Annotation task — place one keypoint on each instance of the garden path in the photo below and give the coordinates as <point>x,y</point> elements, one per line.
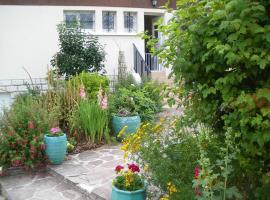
<point>84,176</point>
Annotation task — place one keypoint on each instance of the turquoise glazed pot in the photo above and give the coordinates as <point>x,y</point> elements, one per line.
<point>127,195</point>
<point>56,148</point>
<point>132,123</point>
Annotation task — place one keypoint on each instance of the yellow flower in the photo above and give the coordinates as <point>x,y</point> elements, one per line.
<point>171,188</point>
<point>129,178</point>
<point>166,197</point>
<point>122,132</point>
<point>146,168</point>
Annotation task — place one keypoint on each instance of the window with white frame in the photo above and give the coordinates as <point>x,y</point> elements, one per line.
<point>108,21</point>
<point>85,19</point>
<point>130,21</point>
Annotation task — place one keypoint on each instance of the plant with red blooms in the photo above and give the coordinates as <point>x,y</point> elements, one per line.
<point>118,168</point>
<point>133,167</point>
<point>128,180</point>
<point>22,129</point>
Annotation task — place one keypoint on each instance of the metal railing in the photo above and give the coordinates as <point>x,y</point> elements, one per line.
<point>152,62</point>
<point>140,66</point>
<point>22,85</point>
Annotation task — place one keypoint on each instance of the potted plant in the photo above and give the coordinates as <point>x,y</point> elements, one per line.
<point>56,145</point>
<point>125,118</point>
<point>128,184</point>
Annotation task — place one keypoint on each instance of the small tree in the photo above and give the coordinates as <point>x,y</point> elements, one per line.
<point>78,52</point>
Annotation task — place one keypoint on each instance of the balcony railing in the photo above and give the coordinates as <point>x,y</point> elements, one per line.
<point>152,62</point>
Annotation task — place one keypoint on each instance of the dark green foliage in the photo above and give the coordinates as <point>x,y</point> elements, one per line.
<point>78,52</point>
<point>220,49</point>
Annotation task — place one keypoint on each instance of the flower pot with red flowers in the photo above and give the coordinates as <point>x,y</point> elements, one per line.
<point>128,184</point>
<point>56,145</point>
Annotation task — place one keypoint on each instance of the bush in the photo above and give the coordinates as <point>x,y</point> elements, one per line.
<point>220,50</point>
<point>88,121</point>
<point>167,156</point>
<point>21,132</point>
<point>78,52</point>
<point>91,82</point>
<point>134,101</point>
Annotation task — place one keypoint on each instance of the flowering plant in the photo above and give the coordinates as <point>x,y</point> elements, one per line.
<point>55,132</point>
<point>129,179</point>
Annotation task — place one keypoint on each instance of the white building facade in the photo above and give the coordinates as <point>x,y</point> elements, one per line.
<point>29,37</point>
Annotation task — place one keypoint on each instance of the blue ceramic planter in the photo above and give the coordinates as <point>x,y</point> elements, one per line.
<point>56,148</point>
<point>127,195</point>
<point>132,122</point>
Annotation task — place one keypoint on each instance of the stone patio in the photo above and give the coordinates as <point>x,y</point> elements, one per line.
<point>84,176</point>
<point>38,186</point>
<point>91,172</point>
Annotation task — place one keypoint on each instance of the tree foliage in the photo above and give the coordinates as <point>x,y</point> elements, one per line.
<point>220,50</point>
<point>78,52</point>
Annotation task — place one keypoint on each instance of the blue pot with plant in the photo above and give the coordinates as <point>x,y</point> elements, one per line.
<point>128,184</point>
<point>56,146</point>
<point>125,119</point>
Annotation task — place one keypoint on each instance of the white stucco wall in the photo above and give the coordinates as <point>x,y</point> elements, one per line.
<point>28,38</point>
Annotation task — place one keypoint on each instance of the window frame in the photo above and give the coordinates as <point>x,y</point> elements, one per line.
<point>114,21</point>
<point>135,21</point>
<point>78,13</point>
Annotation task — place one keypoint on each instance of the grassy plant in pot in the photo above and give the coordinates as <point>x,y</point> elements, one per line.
<point>124,118</point>
<point>56,146</point>
<point>128,185</point>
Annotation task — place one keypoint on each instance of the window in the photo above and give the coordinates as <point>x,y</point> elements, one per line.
<point>84,18</point>
<point>108,21</point>
<point>130,21</point>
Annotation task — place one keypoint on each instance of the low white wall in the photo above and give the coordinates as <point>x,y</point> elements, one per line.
<point>28,38</point>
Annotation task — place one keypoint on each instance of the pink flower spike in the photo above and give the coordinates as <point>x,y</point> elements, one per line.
<point>82,92</point>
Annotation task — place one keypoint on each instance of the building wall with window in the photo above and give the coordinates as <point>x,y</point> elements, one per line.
<point>29,38</point>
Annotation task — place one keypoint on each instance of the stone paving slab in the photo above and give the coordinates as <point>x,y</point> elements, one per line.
<point>38,186</point>
<point>91,172</point>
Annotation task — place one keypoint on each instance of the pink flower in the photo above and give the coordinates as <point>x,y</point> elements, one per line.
<point>82,92</point>
<point>104,102</point>
<point>133,167</point>
<point>55,130</point>
<point>196,172</point>
<point>31,125</point>
<point>42,147</point>
<point>118,168</point>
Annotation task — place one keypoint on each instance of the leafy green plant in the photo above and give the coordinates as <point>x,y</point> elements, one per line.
<point>21,132</point>
<point>78,52</point>
<point>90,122</point>
<point>128,180</point>
<point>134,101</point>
<point>168,156</point>
<point>91,82</point>
<point>219,51</point>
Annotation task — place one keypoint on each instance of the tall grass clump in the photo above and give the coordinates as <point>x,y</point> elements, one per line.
<point>90,121</point>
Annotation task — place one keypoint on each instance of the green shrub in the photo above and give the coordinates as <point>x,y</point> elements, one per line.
<point>220,52</point>
<point>135,101</point>
<point>78,52</point>
<point>21,132</point>
<point>91,82</point>
<point>90,122</point>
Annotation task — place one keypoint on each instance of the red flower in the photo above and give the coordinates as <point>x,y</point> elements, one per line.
<point>197,192</point>
<point>16,163</point>
<point>118,168</point>
<point>133,167</point>
<point>196,172</point>
<point>42,147</point>
<point>31,125</point>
